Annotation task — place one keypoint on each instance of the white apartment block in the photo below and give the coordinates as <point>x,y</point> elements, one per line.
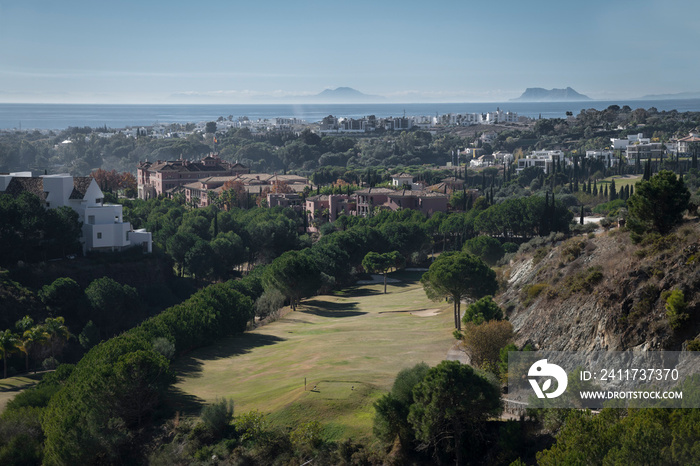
<point>542,159</point>
<point>621,144</point>
<point>103,226</point>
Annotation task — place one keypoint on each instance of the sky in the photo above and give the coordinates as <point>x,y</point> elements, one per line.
<point>159,52</point>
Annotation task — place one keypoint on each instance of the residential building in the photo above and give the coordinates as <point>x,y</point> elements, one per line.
<point>154,179</point>
<point>503,157</point>
<point>485,160</point>
<point>689,143</point>
<point>401,179</point>
<point>621,144</point>
<point>427,202</point>
<point>605,156</point>
<point>644,151</point>
<point>542,159</point>
<point>199,193</point>
<point>103,226</point>
<point>292,200</point>
<point>330,206</point>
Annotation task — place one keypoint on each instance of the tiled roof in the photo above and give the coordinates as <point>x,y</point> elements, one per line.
<point>18,185</point>
<point>80,187</point>
<point>376,191</point>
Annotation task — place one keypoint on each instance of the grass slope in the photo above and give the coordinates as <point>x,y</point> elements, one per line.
<point>11,386</point>
<point>620,181</point>
<point>349,347</point>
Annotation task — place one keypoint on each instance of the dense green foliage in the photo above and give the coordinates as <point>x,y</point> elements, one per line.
<point>451,406</point>
<point>459,276</point>
<point>117,386</point>
<point>483,310</point>
<point>658,204</point>
<point>617,436</point>
<point>31,233</point>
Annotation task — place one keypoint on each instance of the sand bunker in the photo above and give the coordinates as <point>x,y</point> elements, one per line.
<point>426,313</point>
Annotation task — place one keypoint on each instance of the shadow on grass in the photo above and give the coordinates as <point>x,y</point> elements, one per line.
<point>190,365</point>
<point>330,309</point>
<point>6,386</point>
<point>359,292</point>
<point>184,403</point>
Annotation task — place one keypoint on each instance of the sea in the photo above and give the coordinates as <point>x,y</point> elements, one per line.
<point>115,116</point>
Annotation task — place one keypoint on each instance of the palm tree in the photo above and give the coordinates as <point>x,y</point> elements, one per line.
<point>30,338</point>
<point>56,331</point>
<point>8,345</point>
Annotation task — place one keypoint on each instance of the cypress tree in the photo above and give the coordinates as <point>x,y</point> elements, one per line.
<point>613,190</point>
<point>605,194</point>
<point>545,214</point>
<point>595,188</point>
<point>581,214</point>
<point>647,170</point>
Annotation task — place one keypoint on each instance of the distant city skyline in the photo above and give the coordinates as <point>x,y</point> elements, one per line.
<point>178,52</point>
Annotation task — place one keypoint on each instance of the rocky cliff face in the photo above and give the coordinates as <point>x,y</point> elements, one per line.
<point>605,293</point>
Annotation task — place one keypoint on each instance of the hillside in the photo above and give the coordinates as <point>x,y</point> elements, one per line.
<point>538,94</point>
<point>604,293</point>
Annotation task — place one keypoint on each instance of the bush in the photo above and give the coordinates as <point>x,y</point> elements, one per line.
<point>483,310</point>
<point>269,303</point>
<point>675,309</point>
<point>531,292</point>
<point>218,416</point>
<point>49,364</point>
<point>165,347</point>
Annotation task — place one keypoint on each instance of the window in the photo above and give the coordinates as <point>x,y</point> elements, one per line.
<point>91,219</point>
<point>99,235</point>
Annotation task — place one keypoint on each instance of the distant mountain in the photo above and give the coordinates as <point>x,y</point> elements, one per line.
<point>537,94</point>
<point>344,94</point>
<point>678,96</point>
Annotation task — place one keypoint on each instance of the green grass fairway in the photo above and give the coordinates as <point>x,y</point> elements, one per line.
<point>11,386</point>
<point>349,347</point>
<point>620,181</point>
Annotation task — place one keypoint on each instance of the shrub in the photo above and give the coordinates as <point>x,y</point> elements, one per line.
<point>218,416</point>
<point>483,310</point>
<point>49,364</point>
<point>165,347</point>
<point>531,292</point>
<point>675,309</point>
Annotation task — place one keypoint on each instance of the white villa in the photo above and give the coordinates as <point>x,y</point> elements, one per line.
<point>103,227</point>
<point>542,159</point>
<point>605,156</point>
<point>621,144</point>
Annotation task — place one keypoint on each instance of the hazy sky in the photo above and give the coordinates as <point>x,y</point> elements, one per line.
<point>150,51</point>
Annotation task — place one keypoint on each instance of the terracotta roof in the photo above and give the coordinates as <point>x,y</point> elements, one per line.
<point>80,187</point>
<point>18,185</point>
<point>376,191</point>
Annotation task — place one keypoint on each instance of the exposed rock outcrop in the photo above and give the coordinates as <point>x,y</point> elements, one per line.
<point>605,293</point>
